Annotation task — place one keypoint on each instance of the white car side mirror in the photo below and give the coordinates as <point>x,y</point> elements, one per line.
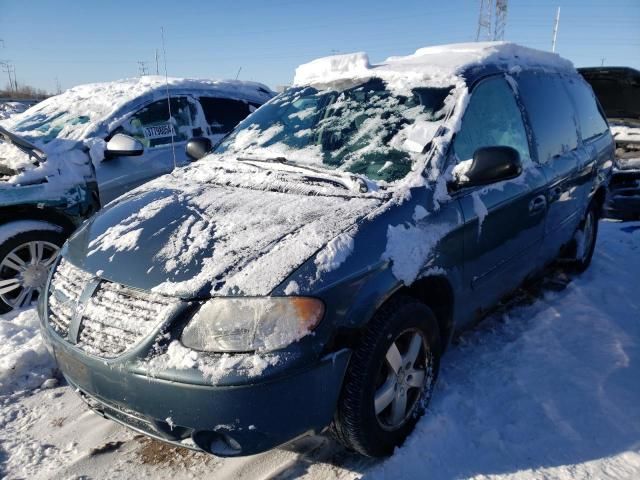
<point>123,145</point>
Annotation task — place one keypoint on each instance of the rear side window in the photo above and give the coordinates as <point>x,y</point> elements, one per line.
<point>591,122</point>
<point>491,119</point>
<point>551,114</point>
<point>223,114</point>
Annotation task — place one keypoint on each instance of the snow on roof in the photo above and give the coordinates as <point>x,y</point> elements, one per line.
<point>435,66</point>
<point>98,101</point>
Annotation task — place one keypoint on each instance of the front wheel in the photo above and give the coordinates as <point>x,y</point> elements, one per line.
<point>25,261</point>
<point>390,378</point>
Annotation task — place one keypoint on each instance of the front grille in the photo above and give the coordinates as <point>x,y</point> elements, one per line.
<point>66,286</point>
<point>114,318</point>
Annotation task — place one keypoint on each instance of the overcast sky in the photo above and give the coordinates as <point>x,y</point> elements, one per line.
<point>74,42</point>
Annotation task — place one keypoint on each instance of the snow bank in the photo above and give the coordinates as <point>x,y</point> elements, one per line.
<point>549,390</point>
<point>25,362</point>
<point>543,391</point>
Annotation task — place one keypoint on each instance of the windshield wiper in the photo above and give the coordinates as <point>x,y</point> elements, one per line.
<point>335,180</point>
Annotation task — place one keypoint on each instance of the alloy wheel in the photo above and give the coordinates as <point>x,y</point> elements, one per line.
<point>402,379</point>
<point>24,271</point>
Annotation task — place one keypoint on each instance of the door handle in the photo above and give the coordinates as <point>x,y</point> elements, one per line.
<point>538,204</point>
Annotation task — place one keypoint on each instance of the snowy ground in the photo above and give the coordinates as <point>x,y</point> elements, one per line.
<point>549,387</point>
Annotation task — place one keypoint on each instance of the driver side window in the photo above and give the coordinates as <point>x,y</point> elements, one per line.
<point>151,124</point>
<point>492,118</point>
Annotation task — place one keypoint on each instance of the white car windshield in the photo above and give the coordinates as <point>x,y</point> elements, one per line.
<point>365,129</point>
<point>47,126</point>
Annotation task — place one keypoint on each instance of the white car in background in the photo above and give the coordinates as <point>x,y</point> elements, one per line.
<point>66,157</point>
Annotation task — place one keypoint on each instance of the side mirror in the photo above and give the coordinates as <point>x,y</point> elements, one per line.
<point>122,145</point>
<point>491,165</point>
<point>198,147</point>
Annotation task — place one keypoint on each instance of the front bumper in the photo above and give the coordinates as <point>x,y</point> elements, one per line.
<point>623,196</point>
<point>241,419</point>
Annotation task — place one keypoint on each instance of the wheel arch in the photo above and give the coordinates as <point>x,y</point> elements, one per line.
<point>30,212</point>
<point>599,197</point>
<point>435,291</point>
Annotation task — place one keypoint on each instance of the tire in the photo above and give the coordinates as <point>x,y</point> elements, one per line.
<point>373,430</point>
<point>584,242</point>
<point>18,273</point>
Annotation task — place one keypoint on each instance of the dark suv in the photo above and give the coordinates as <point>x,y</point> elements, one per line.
<point>618,90</point>
<point>312,269</point>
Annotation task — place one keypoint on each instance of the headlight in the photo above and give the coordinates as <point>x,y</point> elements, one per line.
<point>251,324</point>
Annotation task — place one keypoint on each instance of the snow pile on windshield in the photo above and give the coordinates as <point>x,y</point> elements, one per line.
<point>364,129</point>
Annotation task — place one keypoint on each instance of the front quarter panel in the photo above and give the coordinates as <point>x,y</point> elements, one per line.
<point>395,247</point>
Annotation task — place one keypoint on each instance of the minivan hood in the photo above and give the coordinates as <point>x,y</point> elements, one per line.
<point>215,229</point>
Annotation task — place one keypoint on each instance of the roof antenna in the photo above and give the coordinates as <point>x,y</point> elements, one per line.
<point>556,24</point>
<point>166,82</point>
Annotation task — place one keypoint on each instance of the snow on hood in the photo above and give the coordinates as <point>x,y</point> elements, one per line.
<point>220,227</point>
<point>437,66</point>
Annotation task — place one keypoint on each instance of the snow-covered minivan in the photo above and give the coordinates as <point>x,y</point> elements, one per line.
<point>312,269</point>
<point>70,154</point>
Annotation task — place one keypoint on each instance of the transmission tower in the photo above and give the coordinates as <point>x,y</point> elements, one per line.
<point>492,20</point>
<point>484,21</point>
<point>501,20</point>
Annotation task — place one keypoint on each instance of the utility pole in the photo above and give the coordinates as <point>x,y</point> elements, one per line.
<point>142,68</point>
<point>501,20</point>
<point>8,68</point>
<point>555,30</point>
<point>484,21</point>
<point>157,67</point>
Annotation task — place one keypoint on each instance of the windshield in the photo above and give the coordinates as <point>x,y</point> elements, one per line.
<point>364,130</point>
<point>46,126</point>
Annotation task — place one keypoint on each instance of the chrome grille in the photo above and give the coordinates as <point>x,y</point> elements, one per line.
<point>65,289</point>
<point>116,318</point>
